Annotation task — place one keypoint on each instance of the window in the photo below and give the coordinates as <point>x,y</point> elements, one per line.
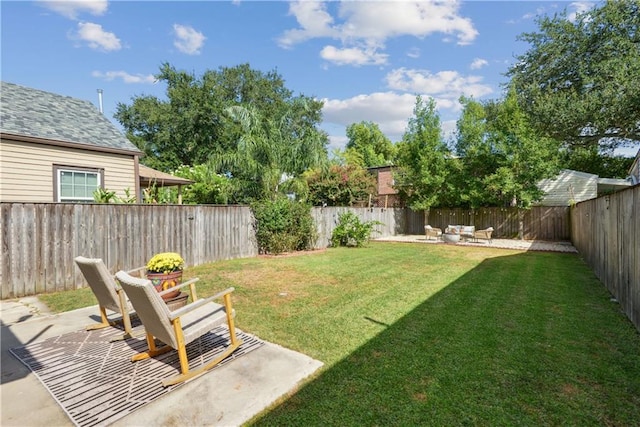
<point>76,184</point>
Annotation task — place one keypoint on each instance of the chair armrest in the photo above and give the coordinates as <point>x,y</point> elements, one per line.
<point>196,304</point>
<point>135,270</point>
<point>180,286</point>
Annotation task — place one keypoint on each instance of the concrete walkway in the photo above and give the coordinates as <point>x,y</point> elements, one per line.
<point>523,245</point>
<point>228,396</point>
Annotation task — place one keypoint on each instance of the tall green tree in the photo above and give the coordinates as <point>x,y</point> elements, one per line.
<point>422,173</point>
<point>272,149</point>
<point>523,157</point>
<point>191,124</point>
<point>476,153</point>
<point>579,80</point>
<point>368,146</point>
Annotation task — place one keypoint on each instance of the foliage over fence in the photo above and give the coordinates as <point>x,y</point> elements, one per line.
<point>606,232</point>
<point>39,241</point>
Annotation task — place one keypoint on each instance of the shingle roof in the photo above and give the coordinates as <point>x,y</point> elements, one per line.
<point>35,113</point>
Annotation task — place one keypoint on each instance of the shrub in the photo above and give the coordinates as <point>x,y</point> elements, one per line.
<point>283,225</point>
<point>351,231</point>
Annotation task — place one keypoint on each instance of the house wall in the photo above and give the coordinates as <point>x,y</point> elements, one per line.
<point>569,187</point>
<point>387,196</point>
<point>26,169</point>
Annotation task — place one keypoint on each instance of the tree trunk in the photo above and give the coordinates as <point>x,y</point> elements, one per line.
<point>520,223</point>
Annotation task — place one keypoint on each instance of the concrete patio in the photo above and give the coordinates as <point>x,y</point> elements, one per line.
<point>227,396</point>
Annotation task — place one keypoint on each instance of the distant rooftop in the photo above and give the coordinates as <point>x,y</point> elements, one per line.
<point>35,113</point>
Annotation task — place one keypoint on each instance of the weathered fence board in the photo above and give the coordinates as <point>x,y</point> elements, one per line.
<point>606,232</point>
<point>39,241</point>
<point>540,222</point>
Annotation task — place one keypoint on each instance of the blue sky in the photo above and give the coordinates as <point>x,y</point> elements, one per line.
<point>366,59</point>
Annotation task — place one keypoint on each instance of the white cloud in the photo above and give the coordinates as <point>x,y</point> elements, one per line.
<point>124,76</point>
<point>578,7</point>
<point>97,38</point>
<point>188,40</point>
<point>389,110</point>
<point>414,52</point>
<point>314,21</point>
<point>381,20</point>
<point>370,24</point>
<point>478,63</point>
<point>446,84</point>
<point>71,8</point>
<point>353,56</point>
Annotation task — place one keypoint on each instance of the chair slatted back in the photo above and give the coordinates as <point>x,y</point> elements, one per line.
<point>151,308</point>
<point>101,282</point>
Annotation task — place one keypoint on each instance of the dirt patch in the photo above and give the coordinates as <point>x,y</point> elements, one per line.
<point>292,254</point>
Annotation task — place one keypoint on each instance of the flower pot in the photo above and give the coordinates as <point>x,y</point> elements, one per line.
<point>163,281</point>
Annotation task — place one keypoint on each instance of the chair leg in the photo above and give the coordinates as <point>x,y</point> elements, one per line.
<point>152,351</point>
<point>104,321</point>
<point>187,374</point>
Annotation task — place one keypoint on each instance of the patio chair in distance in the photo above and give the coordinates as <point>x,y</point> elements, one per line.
<point>109,294</point>
<point>179,327</point>
<point>430,231</point>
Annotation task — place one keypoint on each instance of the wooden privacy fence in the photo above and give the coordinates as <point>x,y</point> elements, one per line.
<point>606,232</point>
<point>540,222</point>
<point>40,241</point>
<point>393,221</point>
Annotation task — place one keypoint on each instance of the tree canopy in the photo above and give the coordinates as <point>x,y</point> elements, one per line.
<point>502,157</point>
<point>270,150</point>
<point>339,185</point>
<point>421,176</point>
<point>368,146</point>
<point>579,80</point>
<point>192,124</point>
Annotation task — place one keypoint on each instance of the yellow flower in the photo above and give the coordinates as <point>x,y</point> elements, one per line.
<point>165,262</point>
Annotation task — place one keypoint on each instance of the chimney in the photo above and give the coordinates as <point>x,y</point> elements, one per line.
<point>100,101</point>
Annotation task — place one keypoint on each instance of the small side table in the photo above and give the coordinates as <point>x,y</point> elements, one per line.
<point>451,238</point>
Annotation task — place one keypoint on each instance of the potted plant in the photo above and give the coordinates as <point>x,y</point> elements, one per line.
<point>165,271</point>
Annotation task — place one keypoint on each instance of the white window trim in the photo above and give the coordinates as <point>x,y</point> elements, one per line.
<point>57,171</point>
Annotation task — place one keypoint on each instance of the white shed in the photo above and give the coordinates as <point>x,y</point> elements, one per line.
<point>568,187</point>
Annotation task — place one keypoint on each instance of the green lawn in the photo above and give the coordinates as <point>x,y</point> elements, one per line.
<point>415,334</point>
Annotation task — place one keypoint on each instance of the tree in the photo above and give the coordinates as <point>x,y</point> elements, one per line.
<point>476,155</point>
<point>368,146</point>
<point>579,80</point>
<point>191,124</point>
<point>590,159</point>
<point>339,185</point>
<point>421,177</point>
<point>523,157</point>
<point>208,187</point>
<point>273,148</point>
